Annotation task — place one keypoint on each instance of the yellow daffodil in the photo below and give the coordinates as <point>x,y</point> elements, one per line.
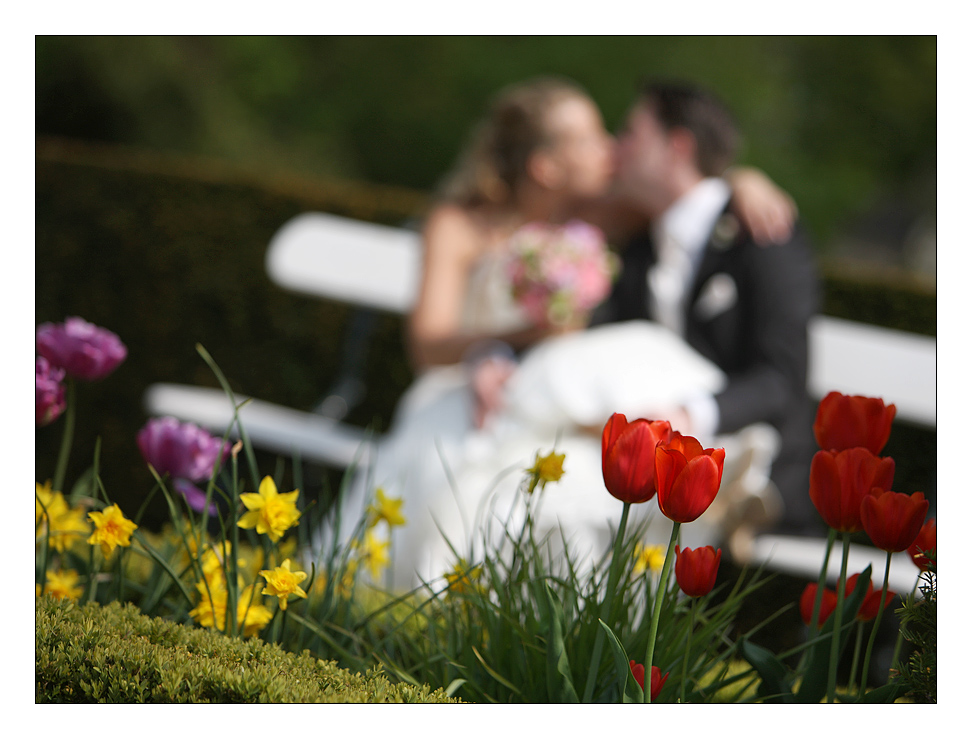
<point>373,553</point>
<point>547,469</point>
<point>385,509</point>
<point>344,586</point>
<point>463,579</point>
<point>61,584</point>
<point>649,557</point>
<point>112,529</point>
<point>252,616</point>
<point>67,527</point>
<point>44,500</point>
<point>55,518</point>
<point>282,582</point>
<point>268,511</point>
<point>211,609</point>
<point>213,561</point>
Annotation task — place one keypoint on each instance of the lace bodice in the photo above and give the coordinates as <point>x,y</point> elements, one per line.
<point>489,308</point>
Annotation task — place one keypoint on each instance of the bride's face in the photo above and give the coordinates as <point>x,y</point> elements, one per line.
<point>581,151</point>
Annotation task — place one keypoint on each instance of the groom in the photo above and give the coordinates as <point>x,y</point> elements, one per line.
<point>696,270</point>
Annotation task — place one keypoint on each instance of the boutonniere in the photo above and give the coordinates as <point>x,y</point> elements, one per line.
<point>725,232</point>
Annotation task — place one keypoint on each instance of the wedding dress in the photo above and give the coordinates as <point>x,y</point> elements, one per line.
<point>461,484</point>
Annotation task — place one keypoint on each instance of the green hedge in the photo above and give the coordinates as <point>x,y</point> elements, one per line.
<point>169,252</point>
<point>116,654</point>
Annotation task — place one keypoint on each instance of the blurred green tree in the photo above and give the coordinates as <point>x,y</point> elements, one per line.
<point>841,122</point>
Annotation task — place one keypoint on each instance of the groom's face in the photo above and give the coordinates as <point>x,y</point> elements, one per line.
<point>644,161</point>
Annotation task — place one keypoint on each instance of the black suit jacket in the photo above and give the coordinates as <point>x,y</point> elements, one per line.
<point>748,312</point>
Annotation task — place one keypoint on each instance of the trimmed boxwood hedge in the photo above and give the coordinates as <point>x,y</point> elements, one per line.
<point>168,252</point>
<point>114,653</point>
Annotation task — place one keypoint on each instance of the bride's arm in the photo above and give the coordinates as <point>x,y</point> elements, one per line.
<point>767,211</point>
<point>451,243</point>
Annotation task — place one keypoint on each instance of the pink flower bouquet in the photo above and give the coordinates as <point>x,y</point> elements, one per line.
<point>560,273</point>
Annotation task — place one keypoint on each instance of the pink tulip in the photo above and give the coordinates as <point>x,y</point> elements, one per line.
<point>85,351</point>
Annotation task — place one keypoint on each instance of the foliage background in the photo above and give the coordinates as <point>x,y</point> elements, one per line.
<point>164,245</point>
<point>845,123</point>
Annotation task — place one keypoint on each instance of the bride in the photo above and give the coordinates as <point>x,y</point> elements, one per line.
<point>493,388</point>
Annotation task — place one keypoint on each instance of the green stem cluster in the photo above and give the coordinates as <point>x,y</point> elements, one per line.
<point>839,608</point>
<point>657,611</point>
<point>614,573</point>
<point>875,626</point>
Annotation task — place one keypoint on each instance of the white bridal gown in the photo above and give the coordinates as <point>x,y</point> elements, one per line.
<point>460,484</point>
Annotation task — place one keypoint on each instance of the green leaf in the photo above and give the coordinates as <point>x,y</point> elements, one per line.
<point>774,685</point>
<point>454,686</point>
<point>560,685</point>
<point>886,694</point>
<point>631,691</point>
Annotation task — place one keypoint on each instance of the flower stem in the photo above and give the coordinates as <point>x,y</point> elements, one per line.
<point>878,620</point>
<point>854,656</point>
<point>898,638</point>
<point>685,658</point>
<point>657,611</point>
<point>822,580</point>
<point>232,591</point>
<point>614,572</point>
<point>120,575</point>
<point>836,633</point>
<point>66,438</point>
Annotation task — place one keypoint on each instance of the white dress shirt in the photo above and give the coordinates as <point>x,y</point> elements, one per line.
<point>681,235</point>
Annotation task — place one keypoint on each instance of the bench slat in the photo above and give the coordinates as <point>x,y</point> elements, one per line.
<point>270,426</point>
<point>861,359</point>
<point>803,557</point>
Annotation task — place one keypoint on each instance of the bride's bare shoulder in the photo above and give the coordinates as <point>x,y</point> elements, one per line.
<point>449,226</point>
<point>462,231</point>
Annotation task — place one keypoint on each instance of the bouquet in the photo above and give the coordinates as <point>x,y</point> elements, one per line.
<point>560,273</point>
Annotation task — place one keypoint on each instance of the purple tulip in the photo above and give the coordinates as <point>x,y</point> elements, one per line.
<point>185,452</point>
<point>85,351</point>
<point>50,392</point>
<point>195,497</point>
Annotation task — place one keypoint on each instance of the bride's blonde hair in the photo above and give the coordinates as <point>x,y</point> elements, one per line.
<point>494,162</point>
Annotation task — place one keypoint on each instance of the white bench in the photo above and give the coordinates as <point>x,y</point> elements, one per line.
<point>378,267</point>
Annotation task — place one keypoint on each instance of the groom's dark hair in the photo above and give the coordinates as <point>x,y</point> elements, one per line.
<point>683,105</point>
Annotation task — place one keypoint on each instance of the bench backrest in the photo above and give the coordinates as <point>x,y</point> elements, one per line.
<point>379,267</point>
<point>346,260</point>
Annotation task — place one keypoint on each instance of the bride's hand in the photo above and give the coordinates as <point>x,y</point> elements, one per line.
<point>766,211</point>
<point>489,378</point>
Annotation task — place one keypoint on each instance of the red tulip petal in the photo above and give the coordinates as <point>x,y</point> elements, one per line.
<point>616,424</point>
<point>628,468</point>
<point>688,446</point>
<point>825,487</point>
<point>692,491</point>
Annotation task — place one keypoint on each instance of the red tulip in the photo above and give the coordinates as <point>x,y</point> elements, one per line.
<point>843,422</point>
<point>688,477</point>
<point>696,569</point>
<point>893,520</point>
<point>658,680</point>
<point>628,457</point>
<point>869,608</point>
<point>840,480</point>
<point>924,543</point>
<point>828,603</point>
